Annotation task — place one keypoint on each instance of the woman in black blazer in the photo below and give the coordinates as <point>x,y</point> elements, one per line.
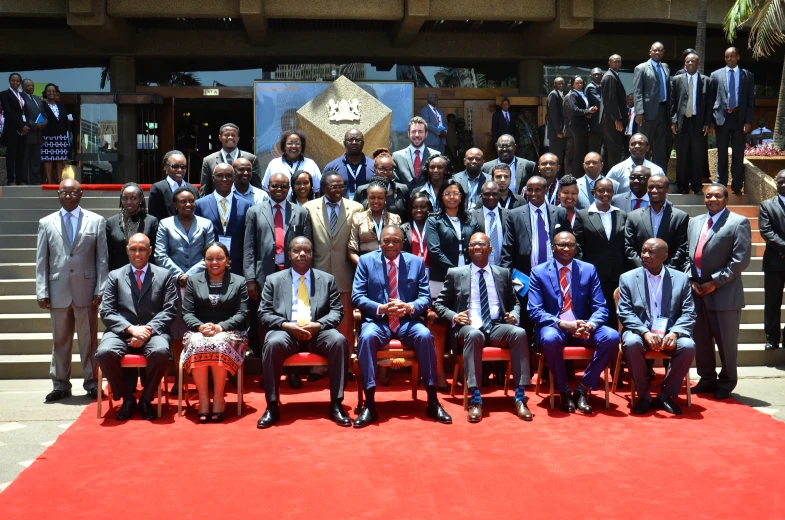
<point>215,310</point>
<point>133,218</point>
<point>57,136</point>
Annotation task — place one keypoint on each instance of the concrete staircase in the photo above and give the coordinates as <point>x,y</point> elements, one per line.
<point>25,330</point>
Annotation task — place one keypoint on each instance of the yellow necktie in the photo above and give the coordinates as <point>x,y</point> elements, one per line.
<point>304,303</point>
<point>223,212</point>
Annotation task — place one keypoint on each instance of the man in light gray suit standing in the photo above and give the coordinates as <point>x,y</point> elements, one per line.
<point>651,87</point>
<point>408,162</point>
<point>648,294</point>
<point>719,247</point>
<point>436,137</point>
<point>33,110</point>
<point>71,267</point>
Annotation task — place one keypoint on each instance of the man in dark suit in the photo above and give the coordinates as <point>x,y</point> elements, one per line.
<point>594,94</point>
<point>33,110</point>
<point>305,324</point>
<point>613,111</point>
<point>690,112</point>
<point>555,121</point>
<point>227,213</point>
<point>502,121</point>
<point>408,162</point>
<point>734,106</point>
<point>577,113</point>
<point>15,129</point>
<point>647,294</point>
<point>652,89</point>
<point>771,220</point>
<point>480,303</point>
<point>520,169</point>
<point>472,178</point>
<point>229,136</point>
<point>631,127</point>
<point>160,204</point>
<point>492,220</point>
<point>507,199</point>
<point>436,137</point>
<point>657,220</point>
<point>391,290</point>
<point>139,305</point>
<point>567,307</point>
<point>638,195</point>
<point>720,247</point>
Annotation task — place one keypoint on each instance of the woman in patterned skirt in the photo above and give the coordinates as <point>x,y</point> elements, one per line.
<point>215,309</point>
<point>54,149</point>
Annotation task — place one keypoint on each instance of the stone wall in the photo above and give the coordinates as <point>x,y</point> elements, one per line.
<point>757,185</point>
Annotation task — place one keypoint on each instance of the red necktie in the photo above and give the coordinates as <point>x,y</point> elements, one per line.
<point>565,290</point>
<point>417,164</point>
<point>278,222</point>
<point>392,276</point>
<point>139,278</point>
<point>637,204</point>
<point>701,244</point>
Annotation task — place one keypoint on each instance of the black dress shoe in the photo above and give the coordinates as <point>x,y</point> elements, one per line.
<point>650,373</point>
<point>270,416</point>
<point>313,377</point>
<point>721,393</point>
<point>148,412</point>
<point>338,415</point>
<point>771,346</point>
<point>642,407</point>
<point>582,402</point>
<point>294,381</point>
<point>366,417</point>
<point>435,411</point>
<point>668,405</point>
<point>126,410</point>
<point>93,393</point>
<point>704,387</point>
<point>56,395</point>
<point>566,403</point>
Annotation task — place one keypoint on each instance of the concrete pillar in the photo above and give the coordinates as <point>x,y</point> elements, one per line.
<point>123,80</point>
<point>530,78</point>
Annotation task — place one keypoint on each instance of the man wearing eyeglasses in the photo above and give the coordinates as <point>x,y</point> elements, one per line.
<point>356,168</point>
<point>520,169</point>
<point>160,203</point>
<point>229,136</point>
<point>72,265</point>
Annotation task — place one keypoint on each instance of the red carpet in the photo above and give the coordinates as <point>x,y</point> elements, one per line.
<point>719,460</point>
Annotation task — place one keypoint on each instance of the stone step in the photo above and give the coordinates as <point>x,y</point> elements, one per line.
<point>697,200</point>
<point>17,270</point>
<point>17,255</point>
<point>752,279</point>
<point>20,304</point>
<point>745,211</point>
<point>18,228</point>
<point>15,343</point>
<point>37,191</point>
<point>22,286</point>
<point>31,323</point>
<point>753,313</point>
<point>752,333</point>
<point>52,204</point>
<point>19,241</point>
<point>28,215</point>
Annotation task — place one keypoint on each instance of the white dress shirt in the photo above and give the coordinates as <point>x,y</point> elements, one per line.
<point>475,308</point>
<point>621,173</point>
<point>74,216</point>
<point>458,227</point>
<point>253,195</point>
<point>644,201</point>
<point>295,291</point>
<point>173,185</point>
<point>412,148</point>
<point>630,120</point>
<point>143,269</point>
<point>224,216</point>
<point>656,218</point>
<point>535,239</point>
<point>654,283</point>
<point>605,216</point>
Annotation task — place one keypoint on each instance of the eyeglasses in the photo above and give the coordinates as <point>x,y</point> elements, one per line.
<point>222,177</point>
<point>68,194</point>
<point>478,244</point>
<point>504,146</point>
<point>386,170</point>
<point>176,166</point>
<point>351,140</point>
<point>335,186</point>
<point>452,194</point>
<point>279,186</point>
<point>392,241</point>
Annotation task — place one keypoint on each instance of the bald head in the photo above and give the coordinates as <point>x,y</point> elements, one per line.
<point>654,252</point>
<point>138,250</point>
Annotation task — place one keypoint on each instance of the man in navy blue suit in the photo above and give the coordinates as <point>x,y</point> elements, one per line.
<point>227,213</point>
<point>391,290</point>
<point>567,307</point>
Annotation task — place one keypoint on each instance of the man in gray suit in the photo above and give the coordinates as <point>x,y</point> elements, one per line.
<point>229,136</point>
<point>139,305</point>
<point>306,323</point>
<point>408,162</point>
<point>648,294</point>
<point>520,169</point>
<point>472,178</point>
<point>436,137</point>
<point>652,89</point>
<point>554,118</point>
<point>592,168</point>
<point>72,264</point>
<point>719,248</point>
<point>33,110</point>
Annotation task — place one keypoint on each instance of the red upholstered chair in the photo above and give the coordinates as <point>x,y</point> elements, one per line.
<point>137,361</point>
<point>184,396</point>
<point>488,354</point>
<point>583,353</point>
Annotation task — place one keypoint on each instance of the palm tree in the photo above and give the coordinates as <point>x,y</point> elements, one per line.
<point>700,36</point>
<point>765,19</point>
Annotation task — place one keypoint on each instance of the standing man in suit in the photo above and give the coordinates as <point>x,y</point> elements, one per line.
<point>242,188</point>
<point>592,169</point>
<point>33,110</point>
<point>734,106</point>
<point>638,195</point>
<point>594,94</point>
<point>719,246</point>
<point>71,268</point>
<point>355,167</point>
<point>229,136</point>
<point>577,114</point>
<point>554,118</point>
<point>567,307</point>
<point>301,309</point>
<point>651,86</point>
<point>492,220</point>
<point>160,203</point>
<point>613,111</point>
<point>139,305</point>
<point>690,114</point>
<point>436,137</point>
<point>647,294</point>
<point>15,129</point>
<point>520,169</point>
<point>658,219</point>
<point>227,213</point>
<point>507,198</point>
<point>391,290</point>
<point>472,178</point>
<point>479,300</point>
<point>639,147</point>
<point>331,219</point>
<point>632,126</point>
<point>772,228</point>
<point>408,162</point>
<point>502,121</point>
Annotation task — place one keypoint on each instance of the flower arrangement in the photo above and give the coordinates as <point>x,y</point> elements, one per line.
<point>763,150</point>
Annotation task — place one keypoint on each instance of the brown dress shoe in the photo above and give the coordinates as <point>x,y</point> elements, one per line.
<point>475,413</point>
<point>522,411</point>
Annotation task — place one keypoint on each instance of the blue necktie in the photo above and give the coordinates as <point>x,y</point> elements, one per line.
<point>497,252</point>
<point>542,239</point>
<point>732,102</point>
<point>485,307</point>
<point>661,77</point>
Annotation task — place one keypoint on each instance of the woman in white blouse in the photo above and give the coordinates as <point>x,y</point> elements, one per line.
<point>293,160</point>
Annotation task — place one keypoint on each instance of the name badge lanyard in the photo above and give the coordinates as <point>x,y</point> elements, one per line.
<point>224,217</point>
<point>432,196</point>
<point>354,173</point>
<point>552,198</point>
<point>420,237</point>
<point>21,104</point>
<point>654,294</point>
<point>378,228</point>
<point>292,168</point>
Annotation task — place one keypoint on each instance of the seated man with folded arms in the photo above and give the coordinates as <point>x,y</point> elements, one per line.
<point>657,313</point>
<point>568,308</point>
<point>486,312</point>
<point>139,305</point>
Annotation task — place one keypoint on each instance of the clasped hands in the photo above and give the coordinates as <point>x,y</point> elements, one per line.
<point>396,308</point>
<point>140,334</point>
<point>462,318</point>
<point>580,329</point>
<point>703,289</point>
<point>210,329</point>
<point>302,332</point>
<point>657,343</point>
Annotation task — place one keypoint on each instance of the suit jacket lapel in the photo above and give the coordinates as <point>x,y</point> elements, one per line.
<point>646,217</point>
<point>288,217</point>
<point>616,226</point>
<point>596,222</point>
<point>342,217</point>
<point>448,224</point>
<point>316,293</point>
<point>716,224</point>
<point>403,271</point>
<point>267,213</point>
<point>643,289</point>
<point>322,215</point>
<point>146,283</point>
<point>60,226</point>
<point>131,279</point>
<point>80,225</point>
<point>667,290</point>
<point>287,294</point>
<point>466,287</point>
<point>527,220</point>
<point>178,226</point>
<point>500,283</point>
<point>555,280</point>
